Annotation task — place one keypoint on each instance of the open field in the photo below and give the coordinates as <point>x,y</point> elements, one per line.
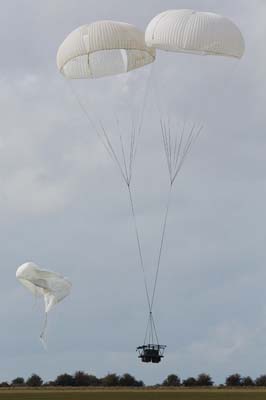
<point>133,394</point>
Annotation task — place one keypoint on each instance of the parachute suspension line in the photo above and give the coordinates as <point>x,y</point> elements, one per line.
<point>138,129</point>
<point>161,245</point>
<point>125,167</point>
<point>101,132</point>
<point>108,144</point>
<point>156,96</point>
<point>147,89</point>
<point>82,106</point>
<point>128,162</point>
<point>151,337</point>
<point>132,154</point>
<point>154,329</point>
<point>44,331</point>
<point>88,118</point>
<point>177,148</point>
<point>151,333</point>
<point>146,332</point>
<point>139,247</point>
<point>126,171</point>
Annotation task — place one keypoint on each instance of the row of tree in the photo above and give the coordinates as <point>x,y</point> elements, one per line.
<point>234,380</point>
<point>78,379</point>
<point>81,378</point>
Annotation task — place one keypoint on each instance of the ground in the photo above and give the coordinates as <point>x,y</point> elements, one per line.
<point>179,394</point>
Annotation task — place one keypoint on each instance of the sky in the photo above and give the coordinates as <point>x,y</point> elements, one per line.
<point>64,205</point>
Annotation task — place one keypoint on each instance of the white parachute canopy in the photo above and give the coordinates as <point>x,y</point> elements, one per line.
<point>195,32</point>
<point>50,285</point>
<point>103,48</point>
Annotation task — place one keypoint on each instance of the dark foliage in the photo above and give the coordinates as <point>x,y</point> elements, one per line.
<point>189,382</point>
<point>233,380</point>
<point>34,381</point>
<point>83,379</point>
<point>261,380</point>
<point>110,380</point>
<point>172,380</point>
<point>204,380</point>
<point>129,380</point>
<point>247,381</point>
<point>4,384</point>
<point>19,381</point>
<point>64,380</point>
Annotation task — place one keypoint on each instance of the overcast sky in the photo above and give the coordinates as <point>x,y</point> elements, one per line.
<point>63,204</point>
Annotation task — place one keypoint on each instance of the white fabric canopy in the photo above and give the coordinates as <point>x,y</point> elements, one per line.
<point>195,32</point>
<point>103,48</point>
<point>50,285</point>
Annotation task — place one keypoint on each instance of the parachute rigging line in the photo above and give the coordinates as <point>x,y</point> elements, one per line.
<point>176,148</point>
<point>139,248</point>
<point>126,168</point>
<point>147,89</point>
<point>44,331</point>
<point>125,164</point>
<point>88,117</point>
<point>151,332</point>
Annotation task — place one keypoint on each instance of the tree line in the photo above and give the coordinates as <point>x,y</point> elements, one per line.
<point>82,379</point>
<point>205,380</point>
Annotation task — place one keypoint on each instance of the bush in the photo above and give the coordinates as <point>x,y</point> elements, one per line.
<point>247,381</point>
<point>18,381</point>
<point>4,384</point>
<point>110,380</point>
<point>34,381</point>
<point>189,382</point>
<point>204,380</point>
<point>233,380</point>
<point>129,380</point>
<point>261,381</point>
<point>172,380</point>
<point>83,379</point>
<point>64,380</point>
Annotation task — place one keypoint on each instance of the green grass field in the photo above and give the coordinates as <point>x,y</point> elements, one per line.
<point>133,395</point>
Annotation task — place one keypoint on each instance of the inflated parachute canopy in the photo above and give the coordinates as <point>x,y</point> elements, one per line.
<point>52,286</point>
<point>195,32</point>
<point>101,49</point>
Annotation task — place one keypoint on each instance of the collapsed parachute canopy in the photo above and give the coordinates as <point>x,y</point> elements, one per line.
<point>195,32</point>
<point>52,286</point>
<point>103,48</point>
